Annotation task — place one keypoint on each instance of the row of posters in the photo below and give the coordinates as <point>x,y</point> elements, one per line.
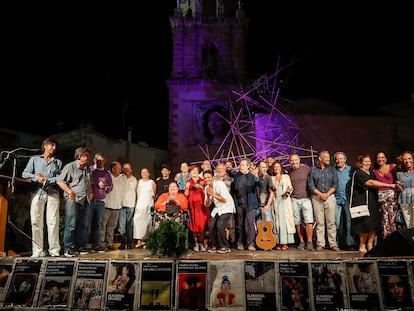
<point>365,284</point>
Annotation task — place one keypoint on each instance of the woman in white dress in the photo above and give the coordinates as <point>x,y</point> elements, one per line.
<point>142,216</point>
<point>282,206</point>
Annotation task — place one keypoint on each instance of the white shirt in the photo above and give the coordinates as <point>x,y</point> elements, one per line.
<point>220,188</point>
<point>114,198</point>
<point>129,198</point>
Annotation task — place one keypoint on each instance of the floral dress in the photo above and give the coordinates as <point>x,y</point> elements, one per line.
<point>389,208</point>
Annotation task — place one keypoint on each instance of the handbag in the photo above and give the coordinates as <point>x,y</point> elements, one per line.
<point>359,210</point>
<point>172,209</point>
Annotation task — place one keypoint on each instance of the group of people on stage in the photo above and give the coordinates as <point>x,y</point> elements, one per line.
<point>98,202</point>
<point>224,202</point>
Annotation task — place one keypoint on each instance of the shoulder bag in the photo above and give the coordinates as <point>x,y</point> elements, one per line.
<point>359,210</point>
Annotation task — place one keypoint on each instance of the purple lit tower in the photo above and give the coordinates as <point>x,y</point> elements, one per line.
<point>215,113</point>
<point>209,59</point>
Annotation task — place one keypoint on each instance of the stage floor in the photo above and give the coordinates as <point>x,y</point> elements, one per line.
<point>291,254</point>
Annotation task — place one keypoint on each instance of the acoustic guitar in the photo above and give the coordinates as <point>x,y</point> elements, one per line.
<point>265,238</point>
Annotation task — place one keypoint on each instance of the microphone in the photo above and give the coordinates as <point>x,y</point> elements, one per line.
<point>28,149</point>
<point>4,161</point>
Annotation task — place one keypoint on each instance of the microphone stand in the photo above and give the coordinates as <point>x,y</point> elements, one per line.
<point>12,199</point>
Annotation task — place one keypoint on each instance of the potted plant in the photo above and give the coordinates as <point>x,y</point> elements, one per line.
<point>170,239</point>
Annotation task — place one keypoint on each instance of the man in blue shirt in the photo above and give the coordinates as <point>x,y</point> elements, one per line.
<point>322,184</point>
<point>343,216</point>
<point>43,170</point>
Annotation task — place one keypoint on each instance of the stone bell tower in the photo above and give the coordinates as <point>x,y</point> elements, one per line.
<point>208,62</point>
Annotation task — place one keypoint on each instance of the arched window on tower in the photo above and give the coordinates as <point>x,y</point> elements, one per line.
<point>210,62</point>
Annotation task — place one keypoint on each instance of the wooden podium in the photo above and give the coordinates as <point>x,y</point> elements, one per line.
<point>5,194</point>
<point>3,224</point>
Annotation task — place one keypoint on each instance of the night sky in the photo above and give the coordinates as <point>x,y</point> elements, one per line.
<point>63,66</point>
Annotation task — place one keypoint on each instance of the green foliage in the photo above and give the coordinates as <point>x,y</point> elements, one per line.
<point>170,239</point>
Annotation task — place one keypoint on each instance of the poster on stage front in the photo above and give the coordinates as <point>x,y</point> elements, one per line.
<point>24,282</point>
<point>395,284</point>
<point>57,283</point>
<point>226,285</point>
<point>260,279</point>
<point>122,285</point>
<point>191,285</point>
<point>89,288</point>
<point>294,285</point>
<point>156,285</point>
<point>363,284</point>
<point>328,285</point>
<point>6,268</point>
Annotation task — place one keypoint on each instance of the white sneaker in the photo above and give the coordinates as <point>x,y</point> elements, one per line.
<point>202,248</point>
<point>224,250</point>
<point>37,255</point>
<point>196,248</point>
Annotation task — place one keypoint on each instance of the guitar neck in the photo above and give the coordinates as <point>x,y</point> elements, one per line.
<point>263,217</point>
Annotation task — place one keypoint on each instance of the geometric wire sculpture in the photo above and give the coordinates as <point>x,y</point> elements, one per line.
<point>259,126</point>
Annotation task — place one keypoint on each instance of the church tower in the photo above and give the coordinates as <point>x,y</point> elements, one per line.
<point>209,61</point>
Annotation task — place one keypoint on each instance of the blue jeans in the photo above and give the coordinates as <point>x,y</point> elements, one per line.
<point>343,224</point>
<point>96,211</point>
<point>125,223</point>
<point>76,224</point>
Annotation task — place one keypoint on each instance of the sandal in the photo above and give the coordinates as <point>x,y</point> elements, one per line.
<point>140,244</point>
<point>285,248</point>
<point>362,249</point>
<point>278,248</point>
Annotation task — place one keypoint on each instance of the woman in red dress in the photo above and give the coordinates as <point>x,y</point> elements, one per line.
<point>199,213</point>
